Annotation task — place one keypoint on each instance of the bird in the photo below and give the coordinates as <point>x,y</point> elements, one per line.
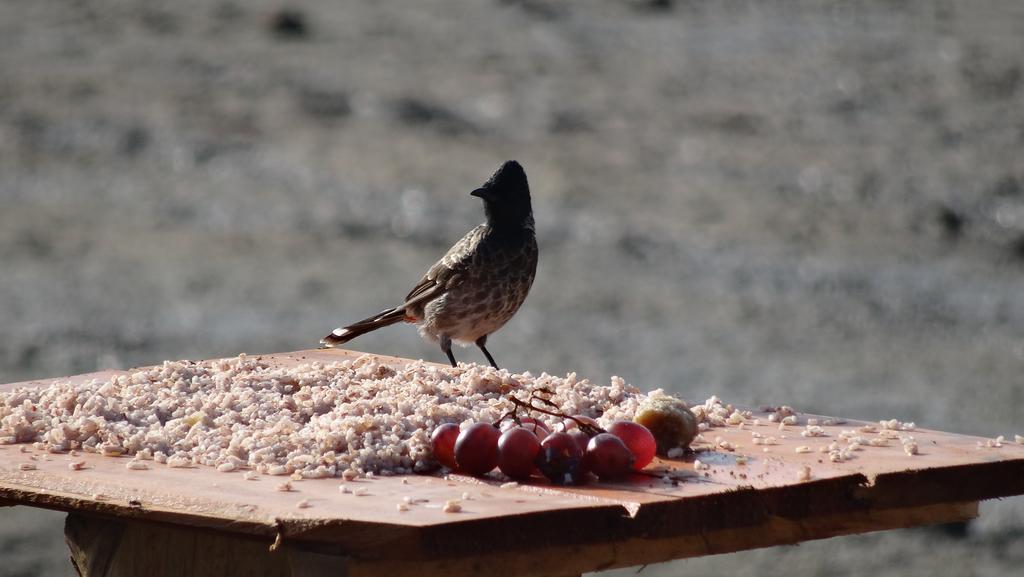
<point>480,283</point>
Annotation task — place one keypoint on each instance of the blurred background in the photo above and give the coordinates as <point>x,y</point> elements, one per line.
<point>812,203</point>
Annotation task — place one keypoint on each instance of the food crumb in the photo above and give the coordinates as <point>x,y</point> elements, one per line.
<point>896,425</point>
<point>509,485</point>
<point>178,462</point>
<point>361,492</point>
<point>803,449</point>
<point>996,443</point>
<point>284,487</point>
<point>1018,439</point>
<point>676,452</point>
<point>136,465</point>
<point>452,506</point>
<point>109,450</point>
<point>250,476</point>
<point>910,447</point>
<point>76,465</point>
<point>345,490</point>
<point>402,507</point>
<point>812,431</point>
<point>303,504</point>
<point>804,474</point>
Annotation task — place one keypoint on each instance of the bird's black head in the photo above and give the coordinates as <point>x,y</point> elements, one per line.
<point>507,198</point>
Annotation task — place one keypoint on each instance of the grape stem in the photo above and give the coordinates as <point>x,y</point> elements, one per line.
<point>554,411</point>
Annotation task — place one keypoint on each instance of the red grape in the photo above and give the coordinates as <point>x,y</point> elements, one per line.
<point>582,439</point>
<point>536,427</point>
<point>638,440</point>
<point>530,424</point>
<point>608,457</point>
<point>517,449</point>
<point>476,449</point>
<point>442,440</point>
<point>560,459</point>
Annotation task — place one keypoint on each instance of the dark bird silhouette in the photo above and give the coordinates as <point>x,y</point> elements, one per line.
<point>479,283</point>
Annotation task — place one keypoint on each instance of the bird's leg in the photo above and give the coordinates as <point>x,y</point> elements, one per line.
<point>446,346</point>
<point>480,343</point>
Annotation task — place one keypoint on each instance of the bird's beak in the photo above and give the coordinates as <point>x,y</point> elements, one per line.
<point>481,193</point>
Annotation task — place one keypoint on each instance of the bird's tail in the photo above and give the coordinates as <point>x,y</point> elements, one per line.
<point>384,318</point>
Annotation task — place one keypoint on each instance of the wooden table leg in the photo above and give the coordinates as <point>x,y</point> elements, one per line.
<point>110,548</point>
<point>93,543</point>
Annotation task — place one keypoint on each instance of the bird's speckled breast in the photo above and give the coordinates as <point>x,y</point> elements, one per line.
<point>491,290</point>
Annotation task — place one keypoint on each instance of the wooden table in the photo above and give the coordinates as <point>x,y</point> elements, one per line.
<point>201,522</point>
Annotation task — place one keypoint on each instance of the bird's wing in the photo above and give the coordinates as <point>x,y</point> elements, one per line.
<point>447,272</point>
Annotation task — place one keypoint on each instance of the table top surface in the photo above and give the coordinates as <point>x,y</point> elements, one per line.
<point>674,498</point>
